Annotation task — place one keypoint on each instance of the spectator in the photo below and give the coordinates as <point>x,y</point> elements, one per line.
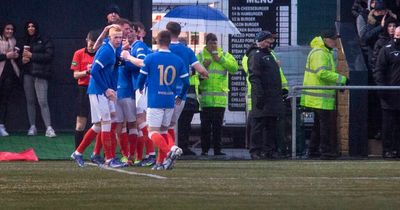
<point>9,71</point>
<point>266,95</point>
<point>387,73</point>
<point>359,7</point>
<point>387,34</point>
<point>376,23</point>
<point>321,71</point>
<point>362,17</point>
<point>213,92</point>
<point>374,28</point>
<point>374,109</point>
<point>112,13</point>
<point>37,57</point>
<point>81,63</point>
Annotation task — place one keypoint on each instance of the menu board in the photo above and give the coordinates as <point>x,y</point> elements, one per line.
<point>250,17</point>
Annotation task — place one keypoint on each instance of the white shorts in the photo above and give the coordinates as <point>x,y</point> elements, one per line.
<point>177,112</point>
<point>100,108</point>
<point>159,117</point>
<point>125,110</point>
<point>141,101</point>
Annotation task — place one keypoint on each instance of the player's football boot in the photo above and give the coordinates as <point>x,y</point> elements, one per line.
<point>158,167</point>
<point>149,161</point>
<point>116,163</point>
<point>78,159</point>
<point>173,154</point>
<point>125,160</point>
<point>97,159</point>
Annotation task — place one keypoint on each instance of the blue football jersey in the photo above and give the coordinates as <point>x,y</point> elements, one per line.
<point>138,50</point>
<point>125,85</point>
<point>162,70</point>
<point>188,57</point>
<point>102,74</point>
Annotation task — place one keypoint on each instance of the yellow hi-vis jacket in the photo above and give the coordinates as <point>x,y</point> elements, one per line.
<point>320,71</point>
<point>246,70</point>
<point>213,92</point>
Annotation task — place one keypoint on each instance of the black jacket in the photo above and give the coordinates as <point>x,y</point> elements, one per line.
<point>266,85</point>
<point>387,73</point>
<point>42,49</point>
<point>383,40</point>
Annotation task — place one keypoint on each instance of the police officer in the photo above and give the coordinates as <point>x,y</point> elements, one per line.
<point>386,73</point>
<point>267,105</point>
<point>285,88</point>
<point>321,71</point>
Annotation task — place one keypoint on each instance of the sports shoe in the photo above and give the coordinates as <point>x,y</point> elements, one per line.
<point>32,131</point>
<point>3,131</point>
<point>116,163</point>
<point>131,160</point>
<point>125,160</point>
<point>148,162</point>
<point>78,159</point>
<point>97,159</point>
<point>158,167</point>
<point>137,163</point>
<point>50,132</point>
<point>172,156</point>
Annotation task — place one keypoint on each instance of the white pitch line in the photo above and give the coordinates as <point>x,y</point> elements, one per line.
<point>127,172</point>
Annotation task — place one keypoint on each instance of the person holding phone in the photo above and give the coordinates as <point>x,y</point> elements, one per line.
<point>213,92</point>
<point>9,71</point>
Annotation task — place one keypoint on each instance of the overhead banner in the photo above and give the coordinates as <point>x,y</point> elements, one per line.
<point>250,17</point>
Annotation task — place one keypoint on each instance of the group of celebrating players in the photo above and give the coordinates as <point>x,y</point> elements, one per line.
<point>135,95</point>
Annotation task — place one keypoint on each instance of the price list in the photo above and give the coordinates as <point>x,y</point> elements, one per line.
<point>250,17</point>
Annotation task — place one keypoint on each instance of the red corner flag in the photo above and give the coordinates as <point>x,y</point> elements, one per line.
<point>27,155</point>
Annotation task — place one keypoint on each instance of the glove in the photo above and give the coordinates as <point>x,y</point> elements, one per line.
<point>260,103</point>
<point>347,81</point>
<point>285,94</point>
<point>345,84</point>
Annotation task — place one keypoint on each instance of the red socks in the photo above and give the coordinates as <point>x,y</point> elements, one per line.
<point>124,144</point>
<point>107,144</point>
<point>87,139</point>
<point>98,145</point>
<point>133,139</point>
<point>139,148</point>
<point>171,132</point>
<point>161,143</point>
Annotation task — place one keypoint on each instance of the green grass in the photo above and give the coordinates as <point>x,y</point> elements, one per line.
<point>204,185</point>
<point>58,148</point>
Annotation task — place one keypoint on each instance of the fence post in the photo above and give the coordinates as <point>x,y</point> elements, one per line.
<point>294,124</point>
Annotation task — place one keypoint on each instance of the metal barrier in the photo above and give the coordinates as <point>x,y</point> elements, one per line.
<point>293,97</point>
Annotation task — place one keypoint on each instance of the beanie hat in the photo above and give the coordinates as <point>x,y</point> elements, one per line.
<point>263,35</point>
<point>113,8</point>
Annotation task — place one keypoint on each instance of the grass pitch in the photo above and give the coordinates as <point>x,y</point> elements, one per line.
<point>203,185</point>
